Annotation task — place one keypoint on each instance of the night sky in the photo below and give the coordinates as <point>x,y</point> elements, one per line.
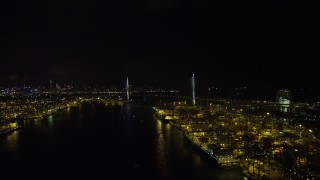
<point>156,42</point>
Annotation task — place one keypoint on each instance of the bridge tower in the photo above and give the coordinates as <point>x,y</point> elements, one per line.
<point>193,91</point>
<point>50,89</point>
<point>127,89</point>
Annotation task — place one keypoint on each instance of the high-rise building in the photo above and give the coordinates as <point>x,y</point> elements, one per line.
<point>127,89</point>
<point>283,100</point>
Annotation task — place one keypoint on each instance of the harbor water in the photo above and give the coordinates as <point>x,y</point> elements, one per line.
<point>98,141</point>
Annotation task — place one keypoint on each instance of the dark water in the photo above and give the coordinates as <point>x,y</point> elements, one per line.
<point>95,141</point>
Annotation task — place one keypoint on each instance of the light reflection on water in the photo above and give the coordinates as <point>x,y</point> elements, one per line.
<point>50,121</point>
<point>161,148</point>
<point>12,140</point>
<point>197,160</point>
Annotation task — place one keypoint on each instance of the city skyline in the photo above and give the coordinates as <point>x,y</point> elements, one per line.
<point>158,89</point>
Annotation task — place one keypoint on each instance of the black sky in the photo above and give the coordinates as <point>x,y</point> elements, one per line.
<point>156,42</point>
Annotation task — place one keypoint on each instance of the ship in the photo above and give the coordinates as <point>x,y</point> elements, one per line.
<point>165,115</point>
<point>7,131</point>
<point>222,160</point>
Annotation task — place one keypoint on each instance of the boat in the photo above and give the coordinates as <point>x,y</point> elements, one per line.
<point>221,161</point>
<point>165,115</point>
<point>9,130</point>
